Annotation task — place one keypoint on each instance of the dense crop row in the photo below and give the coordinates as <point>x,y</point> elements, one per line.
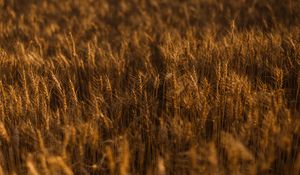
<point>149,87</point>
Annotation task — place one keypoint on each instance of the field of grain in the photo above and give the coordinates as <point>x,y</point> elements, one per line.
<point>148,87</point>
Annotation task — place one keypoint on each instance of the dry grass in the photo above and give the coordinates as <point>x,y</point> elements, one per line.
<point>149,87</point>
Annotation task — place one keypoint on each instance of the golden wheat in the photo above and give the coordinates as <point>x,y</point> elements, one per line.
<point>149,87</point>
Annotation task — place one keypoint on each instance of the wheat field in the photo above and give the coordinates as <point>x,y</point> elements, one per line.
<point>148,87</point>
